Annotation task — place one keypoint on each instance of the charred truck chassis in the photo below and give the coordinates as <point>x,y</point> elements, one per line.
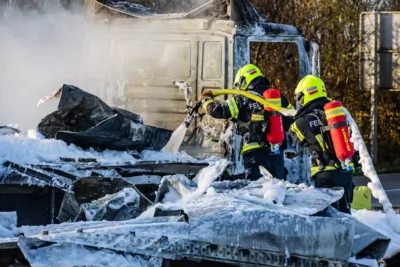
<point>213,43</point>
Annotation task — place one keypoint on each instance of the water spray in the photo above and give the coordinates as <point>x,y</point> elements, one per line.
<point>178,135</point>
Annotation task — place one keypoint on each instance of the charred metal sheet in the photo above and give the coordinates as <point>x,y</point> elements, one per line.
<point>265,29</point>
<point>74,160</point>
<point>55,174</point>
<point>222,253</point>
<point>24,173</point>
<point>163,168</point>
<point>369,243</point>
<point>8,243</point>
<point>144,179</point>
<point>92,196</point>
<point>297,199</point>
<point>228,230</point>
<point>179,247</point>
<point>264,230</point>
<point>161,9</point>
<point>270,228</point>
<point>69,208</point>
<point>240,10</point>
<point>128,8</point>
<point>85,120</point>
<point>123,205</point>
<point>159,212</point>
<point>77,111</point>
<point>92,188</point>
<point>243,10</point>
<point>150,167</point>
<point>118,133</point>
<point>40,253</point>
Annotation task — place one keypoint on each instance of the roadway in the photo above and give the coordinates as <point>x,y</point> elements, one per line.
<point>391,184</point>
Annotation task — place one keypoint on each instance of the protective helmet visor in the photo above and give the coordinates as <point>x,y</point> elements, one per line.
<point>299,98</point>
<point>241,83</point>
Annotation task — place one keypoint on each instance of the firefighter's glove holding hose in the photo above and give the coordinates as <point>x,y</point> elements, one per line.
<point>206,95</point>
<point>206,98</point>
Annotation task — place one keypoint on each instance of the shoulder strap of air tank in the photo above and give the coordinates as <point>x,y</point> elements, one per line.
<point>334,126</point>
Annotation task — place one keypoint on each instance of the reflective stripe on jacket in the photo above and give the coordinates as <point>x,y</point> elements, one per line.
<point>248,113</point>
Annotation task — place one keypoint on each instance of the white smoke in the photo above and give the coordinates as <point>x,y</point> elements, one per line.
<point>38,53</point>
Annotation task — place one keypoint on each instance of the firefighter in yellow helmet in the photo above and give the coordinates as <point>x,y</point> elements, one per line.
<point>307,128</point>
<point>252,122</point>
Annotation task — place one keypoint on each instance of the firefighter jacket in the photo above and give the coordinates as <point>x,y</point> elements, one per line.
<point>251,118</point>
<point>307,128</point>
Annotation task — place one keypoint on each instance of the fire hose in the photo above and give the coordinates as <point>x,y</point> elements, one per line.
<point>259,99</point>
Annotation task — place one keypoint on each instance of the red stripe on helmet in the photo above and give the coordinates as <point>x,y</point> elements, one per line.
<point>313,92</point>
<point>253,72</point>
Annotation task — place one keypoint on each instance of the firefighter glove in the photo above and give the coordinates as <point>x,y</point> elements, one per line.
<point>206,94</point>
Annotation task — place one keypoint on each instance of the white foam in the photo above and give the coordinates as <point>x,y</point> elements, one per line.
<point>369,171</point>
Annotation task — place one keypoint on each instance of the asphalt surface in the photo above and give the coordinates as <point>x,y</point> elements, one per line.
<point>391,184</point>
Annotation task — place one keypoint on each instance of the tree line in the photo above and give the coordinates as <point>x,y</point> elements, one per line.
<point>334,25</point>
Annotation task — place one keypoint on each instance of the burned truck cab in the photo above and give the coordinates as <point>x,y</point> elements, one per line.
<point>135,53</point>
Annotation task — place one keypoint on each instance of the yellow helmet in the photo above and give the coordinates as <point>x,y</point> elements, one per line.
<point>246,75</point>
<point>309,88</point>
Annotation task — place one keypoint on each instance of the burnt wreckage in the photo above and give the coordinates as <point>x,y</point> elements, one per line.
<point>122,209</point>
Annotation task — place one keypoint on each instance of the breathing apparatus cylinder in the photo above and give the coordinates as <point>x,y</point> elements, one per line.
<point>339,131</point>
<point>275,133</point>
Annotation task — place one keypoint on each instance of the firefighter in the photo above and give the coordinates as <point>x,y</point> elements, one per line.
<point>252,122</point>
<point>308,128</point>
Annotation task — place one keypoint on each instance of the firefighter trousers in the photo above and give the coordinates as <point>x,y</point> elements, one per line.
<point>336,178</point>
<point>261,156</point>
